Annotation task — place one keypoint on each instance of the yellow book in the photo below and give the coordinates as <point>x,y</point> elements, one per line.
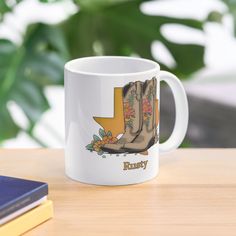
<point>28,220</point>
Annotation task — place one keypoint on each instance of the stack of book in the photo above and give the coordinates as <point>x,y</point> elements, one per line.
<point>23,205</point>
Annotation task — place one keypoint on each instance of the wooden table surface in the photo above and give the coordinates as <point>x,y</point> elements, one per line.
<point>194,194</point>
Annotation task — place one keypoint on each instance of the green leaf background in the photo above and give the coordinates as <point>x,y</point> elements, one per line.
<point>102,27</point>
<point>25,71</point>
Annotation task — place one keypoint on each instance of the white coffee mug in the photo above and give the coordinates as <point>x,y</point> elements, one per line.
<point>112,117</point>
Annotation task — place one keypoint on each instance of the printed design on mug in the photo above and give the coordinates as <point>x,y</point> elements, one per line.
<point>133,128</point>
<point>129,111</point>
<point>147,106</point>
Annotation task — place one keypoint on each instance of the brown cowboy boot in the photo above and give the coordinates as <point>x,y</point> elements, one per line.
<point>132,105</point>
<point>148,136</point>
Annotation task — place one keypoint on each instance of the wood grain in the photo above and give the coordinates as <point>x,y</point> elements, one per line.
<point>194,194</point>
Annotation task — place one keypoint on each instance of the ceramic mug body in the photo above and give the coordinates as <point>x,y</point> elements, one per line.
<point>111,116</point>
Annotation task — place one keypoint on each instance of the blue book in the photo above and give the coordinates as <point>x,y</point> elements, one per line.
<point>16,194</point>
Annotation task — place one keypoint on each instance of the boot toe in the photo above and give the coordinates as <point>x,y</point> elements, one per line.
<point>113,148</point>
<point>132,148</point>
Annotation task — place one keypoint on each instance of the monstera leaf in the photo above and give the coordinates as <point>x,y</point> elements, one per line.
<point>101,27</point>
<point>111,27</point>
<point>25,70</point>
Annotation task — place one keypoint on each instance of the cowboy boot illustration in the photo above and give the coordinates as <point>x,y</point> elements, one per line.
<point>132,105</point>
<point>148,136</point>
<point>155,113</point>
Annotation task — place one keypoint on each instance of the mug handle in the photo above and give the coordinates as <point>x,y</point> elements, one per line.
<point>181,111</point>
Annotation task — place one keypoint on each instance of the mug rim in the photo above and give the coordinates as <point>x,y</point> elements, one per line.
<point>68,66</point>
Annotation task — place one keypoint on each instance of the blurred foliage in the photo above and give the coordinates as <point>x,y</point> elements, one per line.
<point>24,72</point>
<point>6,6</point>
<point>232,10</point>
<point>101,27</point>
<point>215,16</point>
<point>122,29</point>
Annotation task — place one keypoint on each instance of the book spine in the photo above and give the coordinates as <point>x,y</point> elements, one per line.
<point>29,220</point>
<point>25,200</point>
